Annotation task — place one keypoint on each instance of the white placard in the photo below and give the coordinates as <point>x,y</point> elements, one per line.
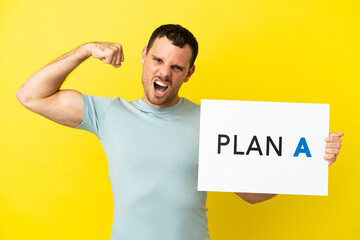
<point>263,147</point>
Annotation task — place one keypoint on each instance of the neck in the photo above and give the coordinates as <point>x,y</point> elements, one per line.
<point>169,103</point>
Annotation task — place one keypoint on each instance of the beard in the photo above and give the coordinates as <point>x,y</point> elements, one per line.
<point>170,95</point>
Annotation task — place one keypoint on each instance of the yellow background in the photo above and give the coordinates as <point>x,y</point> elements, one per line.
<point>54,180</point>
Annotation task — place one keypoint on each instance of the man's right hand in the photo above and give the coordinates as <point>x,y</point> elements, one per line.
<point>110,53</point>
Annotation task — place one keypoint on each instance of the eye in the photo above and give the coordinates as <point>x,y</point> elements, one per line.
<point>177,68</point>
<point>158,60</point>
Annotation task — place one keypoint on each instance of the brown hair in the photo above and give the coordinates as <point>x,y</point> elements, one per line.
<point>178,35</point>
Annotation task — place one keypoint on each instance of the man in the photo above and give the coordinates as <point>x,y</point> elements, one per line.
<point>151,143</point>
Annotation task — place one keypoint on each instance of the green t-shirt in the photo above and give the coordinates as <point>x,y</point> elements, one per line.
<point>153,167</point>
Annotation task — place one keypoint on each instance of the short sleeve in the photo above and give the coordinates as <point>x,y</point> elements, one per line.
<point>94,112</point>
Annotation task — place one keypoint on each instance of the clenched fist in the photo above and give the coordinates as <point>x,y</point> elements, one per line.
<point>110,53</point>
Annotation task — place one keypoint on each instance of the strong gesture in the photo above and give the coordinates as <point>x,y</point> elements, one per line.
<point>110,53</point>
<point>41,92</point>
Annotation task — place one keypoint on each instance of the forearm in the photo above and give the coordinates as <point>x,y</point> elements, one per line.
<point>255,197</point>
<point>49,79</point>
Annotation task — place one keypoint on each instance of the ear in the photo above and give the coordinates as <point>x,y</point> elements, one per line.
<point>143,55</point>
<point>190,72</point>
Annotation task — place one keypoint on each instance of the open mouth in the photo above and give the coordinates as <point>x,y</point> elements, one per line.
<point>160,87</point>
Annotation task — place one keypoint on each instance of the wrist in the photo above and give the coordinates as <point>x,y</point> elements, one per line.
<point>85,51</point>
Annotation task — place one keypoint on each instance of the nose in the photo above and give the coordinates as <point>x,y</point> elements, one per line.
<point>165,71</point>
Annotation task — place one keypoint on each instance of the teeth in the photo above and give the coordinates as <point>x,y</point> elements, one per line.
<point>160,83</point>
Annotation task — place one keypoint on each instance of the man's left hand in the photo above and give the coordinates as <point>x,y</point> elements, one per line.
<point>332,148</point>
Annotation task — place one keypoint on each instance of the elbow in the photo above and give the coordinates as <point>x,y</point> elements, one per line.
<point>23,98</point>
<point>248,197</point>
<point>20,97</point>
<point>251,201</point>
<point>253,198</point>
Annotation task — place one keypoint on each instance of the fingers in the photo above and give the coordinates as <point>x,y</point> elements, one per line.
<point>119,57</point>
<point>333,146</point>
<point>121,54</point>
<point>110,53</point>
<point>332,151</point>
<point>331,158</point>
<point>339,134</point>
<point>114,57</point>
<point>333,138</point>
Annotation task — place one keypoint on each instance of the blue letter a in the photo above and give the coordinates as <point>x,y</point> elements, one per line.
<point>302,148</point>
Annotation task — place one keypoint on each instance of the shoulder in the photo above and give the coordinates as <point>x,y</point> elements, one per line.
<point>190,109</point>
<point>190,105</point>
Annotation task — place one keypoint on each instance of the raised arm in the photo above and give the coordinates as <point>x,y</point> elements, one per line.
<point>41,92</point>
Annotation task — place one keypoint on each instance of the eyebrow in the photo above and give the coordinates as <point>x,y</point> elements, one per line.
<point>175,65</point>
